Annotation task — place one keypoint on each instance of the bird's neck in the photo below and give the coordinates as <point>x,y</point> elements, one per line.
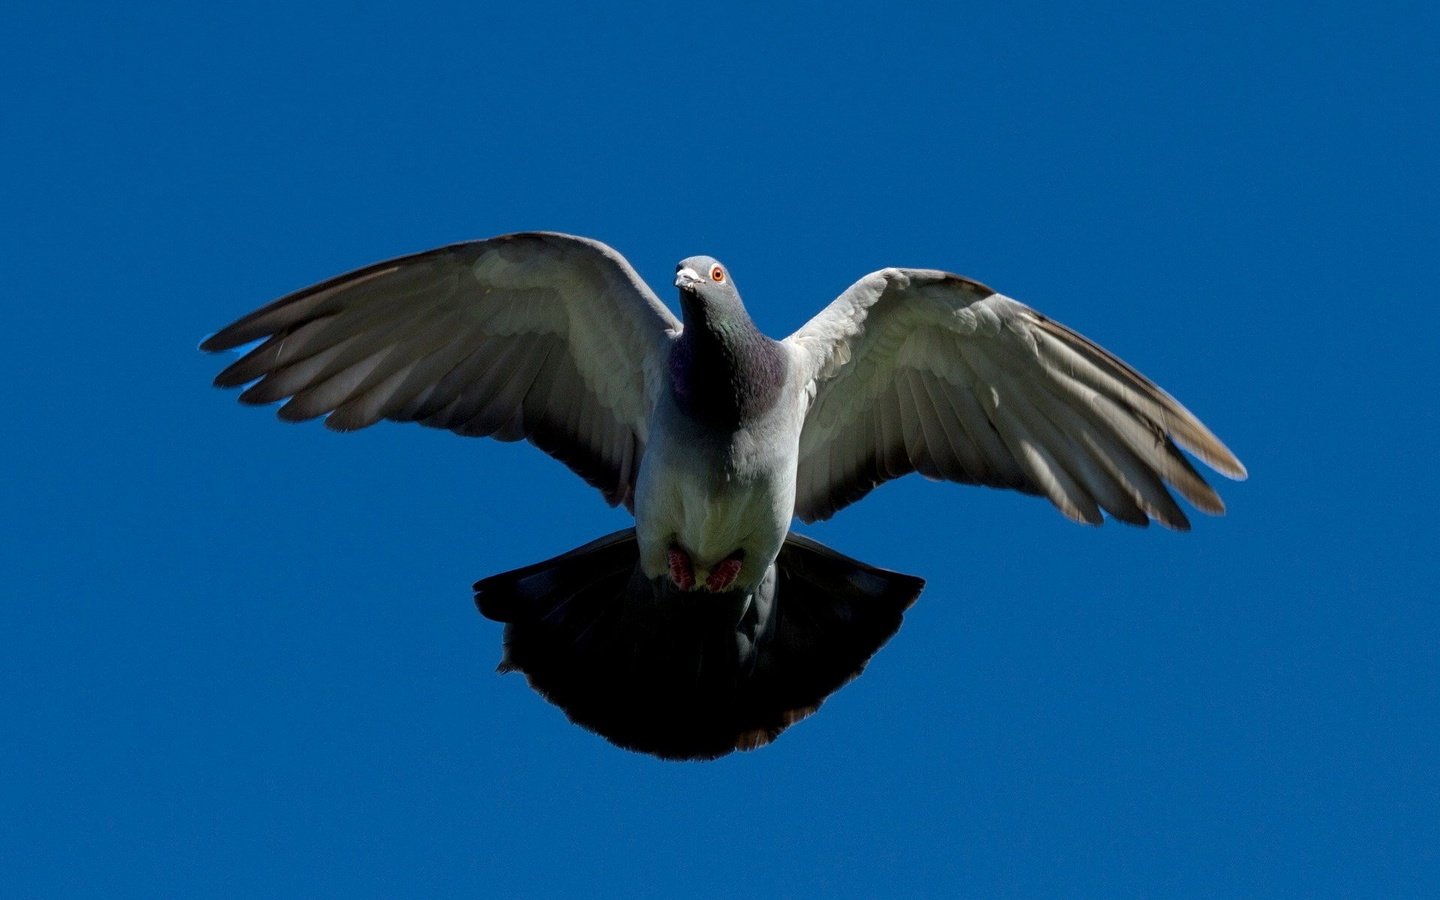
<point>725,375</point>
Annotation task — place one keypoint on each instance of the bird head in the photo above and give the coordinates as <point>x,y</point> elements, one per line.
<point>706,289</point>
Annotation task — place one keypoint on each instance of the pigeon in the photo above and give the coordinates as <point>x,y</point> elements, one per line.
<point>710,626</point>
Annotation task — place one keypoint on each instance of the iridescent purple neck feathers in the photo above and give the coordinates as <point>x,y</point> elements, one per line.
<point>723,371</point>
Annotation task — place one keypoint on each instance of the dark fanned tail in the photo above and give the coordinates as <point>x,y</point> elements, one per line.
<point>692,675</point>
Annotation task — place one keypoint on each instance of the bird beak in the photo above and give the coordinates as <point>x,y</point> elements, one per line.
<point>686,278</point>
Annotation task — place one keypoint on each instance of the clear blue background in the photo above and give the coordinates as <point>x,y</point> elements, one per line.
<point>239,658</point>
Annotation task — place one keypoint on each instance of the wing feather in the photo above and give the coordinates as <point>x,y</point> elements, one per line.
<point>368,406</point>
<point>1035,458</point>
<point>1104,464</point>
<point>1129,388</point>
<point>288,379</point>
<point>926,441</point>
<point>962,461</point>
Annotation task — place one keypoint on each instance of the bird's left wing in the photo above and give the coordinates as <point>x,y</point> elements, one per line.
<point>548,337</point>
<point>918,370</point>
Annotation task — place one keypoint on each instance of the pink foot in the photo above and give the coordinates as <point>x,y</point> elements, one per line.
<point>722,577</point>
<point>682,571</point>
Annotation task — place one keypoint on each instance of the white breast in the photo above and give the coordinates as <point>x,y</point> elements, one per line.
<point>715,496</point>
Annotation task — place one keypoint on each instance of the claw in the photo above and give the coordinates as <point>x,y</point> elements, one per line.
<point>722,576</point>
<point>682,571</point>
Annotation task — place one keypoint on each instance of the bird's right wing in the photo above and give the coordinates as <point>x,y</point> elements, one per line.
<point>548,337</point>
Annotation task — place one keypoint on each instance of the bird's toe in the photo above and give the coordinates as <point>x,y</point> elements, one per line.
<point>682,570</point>
<point>722,575</point>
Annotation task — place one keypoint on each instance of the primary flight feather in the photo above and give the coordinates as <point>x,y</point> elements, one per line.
<point>709,626</point>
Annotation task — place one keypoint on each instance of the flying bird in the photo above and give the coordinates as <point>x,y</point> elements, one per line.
<point>710,626</point>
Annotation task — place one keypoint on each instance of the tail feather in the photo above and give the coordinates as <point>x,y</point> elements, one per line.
<point>692,675</point>
<point>833,613</point>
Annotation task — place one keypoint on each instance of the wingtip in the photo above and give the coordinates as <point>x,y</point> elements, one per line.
<point>232,376</point>
<point>1217,456</point>
<point>1209,503</point>
<point>292,411</point>
<point>219,342</point>
<point>227,339</point>
<point>1077,513</point>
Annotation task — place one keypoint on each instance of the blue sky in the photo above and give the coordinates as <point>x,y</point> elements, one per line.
<point>239,658</point>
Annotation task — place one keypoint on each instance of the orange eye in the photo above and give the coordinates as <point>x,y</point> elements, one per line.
<point>717,274</point>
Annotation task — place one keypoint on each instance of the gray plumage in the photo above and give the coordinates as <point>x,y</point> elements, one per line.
<point>709,627</point>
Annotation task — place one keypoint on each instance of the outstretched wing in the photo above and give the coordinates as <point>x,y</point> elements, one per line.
<point>918,370</point>
<point>547,337</point>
